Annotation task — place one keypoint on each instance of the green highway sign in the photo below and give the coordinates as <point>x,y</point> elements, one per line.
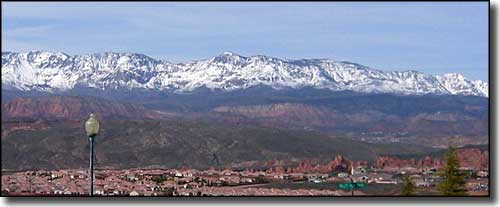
<point>350,186</point>
<point>345,186</point>
<point>361,185</point>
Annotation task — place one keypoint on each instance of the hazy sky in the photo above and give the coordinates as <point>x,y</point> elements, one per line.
<point>430,37</point>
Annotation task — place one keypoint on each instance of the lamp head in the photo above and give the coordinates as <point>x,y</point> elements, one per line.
<point>92,126</point>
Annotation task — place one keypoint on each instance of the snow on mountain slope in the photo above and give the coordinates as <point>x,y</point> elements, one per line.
<point>457,84</point>
<point>52,72</point>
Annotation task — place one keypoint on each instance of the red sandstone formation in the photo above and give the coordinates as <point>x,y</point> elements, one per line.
<point>360,164</point>
<point>384,162</point>
<point>339,164</point>
<point>473,158</point>
<point>469,158</point>
<point>283,114</point>
<point>72,108</point>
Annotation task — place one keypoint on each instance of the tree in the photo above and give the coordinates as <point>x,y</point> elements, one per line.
<point>159,179</point>
<point>168,192</point>
<point>408,188</point>
<point>453,183</point>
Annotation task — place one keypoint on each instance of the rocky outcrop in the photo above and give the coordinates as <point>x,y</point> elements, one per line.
<point>473,158</point>
<point>283,114</point>
<point>339,164</point>
<point>386,162</point>
<point>468,157</point>
<point>438,127</point>
<point>72,108</point>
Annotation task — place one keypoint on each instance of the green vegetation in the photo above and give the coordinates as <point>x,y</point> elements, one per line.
<point>168,192</point>
<point>453,183</point>
<point>159,179</point>
<point>175,144</point>
<point>408,188</point>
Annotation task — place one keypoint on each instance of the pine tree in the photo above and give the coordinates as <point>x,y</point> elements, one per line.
<point>453,183</point>
<point>408,188</point>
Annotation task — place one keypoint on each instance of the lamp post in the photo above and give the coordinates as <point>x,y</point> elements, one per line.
<point>353,186</point>
<point>92,128</point>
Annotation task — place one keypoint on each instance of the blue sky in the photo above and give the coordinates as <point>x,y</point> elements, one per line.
<point>434,37</point>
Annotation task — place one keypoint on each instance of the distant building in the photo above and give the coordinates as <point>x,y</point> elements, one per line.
<point>422,183</point>
<point>343,175</point>
<point>131,177</point>
<point>482,173</point>
<point>134,193</point>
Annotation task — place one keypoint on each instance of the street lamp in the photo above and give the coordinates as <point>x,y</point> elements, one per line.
<point>92,128</point>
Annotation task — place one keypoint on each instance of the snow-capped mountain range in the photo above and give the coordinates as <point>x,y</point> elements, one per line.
<point>52,72</point>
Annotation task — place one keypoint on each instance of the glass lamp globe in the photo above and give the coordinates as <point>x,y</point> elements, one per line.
<point>92,126</point>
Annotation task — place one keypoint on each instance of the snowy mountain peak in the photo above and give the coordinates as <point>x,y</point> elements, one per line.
<point>456,83</point>
<point>46,71</point>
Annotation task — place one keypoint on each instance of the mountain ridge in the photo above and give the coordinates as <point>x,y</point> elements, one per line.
<point>53,72</point>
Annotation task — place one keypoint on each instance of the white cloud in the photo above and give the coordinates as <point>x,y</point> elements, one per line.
<point>31,31</point>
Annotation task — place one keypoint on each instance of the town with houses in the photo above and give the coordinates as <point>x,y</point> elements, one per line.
<point>306,179</point>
